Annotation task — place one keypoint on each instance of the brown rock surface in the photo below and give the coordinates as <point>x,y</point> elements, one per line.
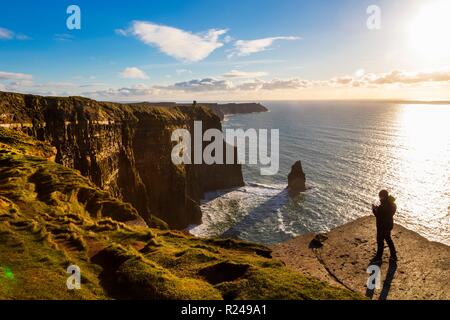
<point>296,179</point>
<point>422,272</point>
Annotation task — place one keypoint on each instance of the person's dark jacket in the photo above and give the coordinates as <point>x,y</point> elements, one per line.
<point>385,214</point>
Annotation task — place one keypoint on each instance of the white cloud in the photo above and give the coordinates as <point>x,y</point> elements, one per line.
<point>247,47</point>
<point>22,37</point>
<point>94,84</point>
<point>200,85</point>
<point>63,37</point>
<point>397,76</point>
<point>14,76</point>
<point>366,80</point>
<point>19,82</point>
<point>344,80</point>
<point>251,86</point>
<point>225,86</point>
<point>244,74</point>
<point>19,85</point>
<point>54,85</point>
<point>275,84</point>
<point>182,71</point>
<point>228,39</point>
<point>360,72</point>
<point>22,83</point>
<point>278,84</point>
<point>121,32</point>
<point>177,43</point>
<point>6,34</point>
<point>136,90</point>
<point>134,73</point>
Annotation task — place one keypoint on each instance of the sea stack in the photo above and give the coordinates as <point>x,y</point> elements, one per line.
<point>296,179</point>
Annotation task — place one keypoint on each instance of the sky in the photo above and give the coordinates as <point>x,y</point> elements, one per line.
<point>178,50</point>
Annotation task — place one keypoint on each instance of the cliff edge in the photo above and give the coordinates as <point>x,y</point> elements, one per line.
<point>125,150</point>
<point>342,256</point>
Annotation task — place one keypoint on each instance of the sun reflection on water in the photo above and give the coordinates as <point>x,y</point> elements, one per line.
<point>422,151</point>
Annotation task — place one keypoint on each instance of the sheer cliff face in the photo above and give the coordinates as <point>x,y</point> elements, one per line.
<point>125,150</point>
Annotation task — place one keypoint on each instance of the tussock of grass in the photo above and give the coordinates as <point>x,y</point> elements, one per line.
<point>146,280</point>
<point>242,245</point>
<point>195,255</point>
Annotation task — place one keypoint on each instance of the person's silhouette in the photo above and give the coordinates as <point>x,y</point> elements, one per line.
<point>385,223</point>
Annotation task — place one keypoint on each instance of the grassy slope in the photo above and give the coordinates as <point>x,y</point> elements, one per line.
<point>52,217</point>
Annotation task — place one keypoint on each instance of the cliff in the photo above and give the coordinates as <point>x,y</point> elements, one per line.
<point>125,150</point>
<point>220,109</point>
<point>235,108</point>
<point>51,217</point>
<point>341,257</point>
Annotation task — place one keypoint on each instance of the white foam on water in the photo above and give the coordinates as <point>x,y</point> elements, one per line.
<point>223,210</point>
<point>283,227</point>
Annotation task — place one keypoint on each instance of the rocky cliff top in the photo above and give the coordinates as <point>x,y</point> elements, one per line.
<point>342,256</point>
<point>23,108</point>
<point>235,108</point>
<point>220,109</point>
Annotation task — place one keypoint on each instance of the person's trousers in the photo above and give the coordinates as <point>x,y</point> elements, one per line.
<point>382,236</point>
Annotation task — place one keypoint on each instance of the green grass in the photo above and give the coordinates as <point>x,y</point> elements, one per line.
<point>18,142</point>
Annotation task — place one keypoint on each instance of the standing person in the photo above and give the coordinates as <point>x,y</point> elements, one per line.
<point>385,223</point>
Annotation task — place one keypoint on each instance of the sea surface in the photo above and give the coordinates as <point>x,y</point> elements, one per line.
<point>349,151</point>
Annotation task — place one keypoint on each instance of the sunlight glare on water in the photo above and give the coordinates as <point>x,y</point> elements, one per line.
<point>423,171</point>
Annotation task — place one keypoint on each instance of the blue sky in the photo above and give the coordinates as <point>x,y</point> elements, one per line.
<point>225,50</point>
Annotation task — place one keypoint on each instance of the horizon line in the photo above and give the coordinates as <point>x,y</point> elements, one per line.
<point>412,101</point>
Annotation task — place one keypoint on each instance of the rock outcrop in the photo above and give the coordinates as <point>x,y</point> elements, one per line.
<point>235,108</point>
<point>296,179</point>
<point>342,256</point>
<point>125,150</point>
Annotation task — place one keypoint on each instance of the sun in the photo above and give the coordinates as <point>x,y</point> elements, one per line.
<point>428,33</point>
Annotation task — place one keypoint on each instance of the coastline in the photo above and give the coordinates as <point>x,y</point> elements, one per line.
<point>422,272</point>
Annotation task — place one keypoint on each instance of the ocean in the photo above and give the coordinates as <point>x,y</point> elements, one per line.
<point>349,151</point>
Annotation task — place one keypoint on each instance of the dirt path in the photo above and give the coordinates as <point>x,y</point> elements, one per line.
<point>422,272</point>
